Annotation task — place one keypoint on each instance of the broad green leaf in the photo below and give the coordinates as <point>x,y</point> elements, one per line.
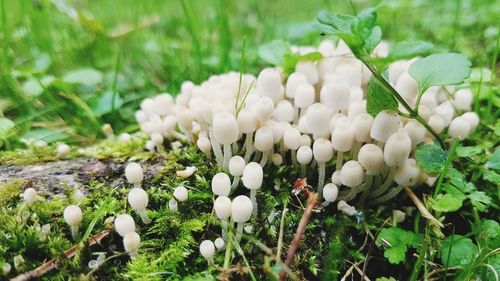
<point>102,104</point>
<point>46,135</point>
<point>430,157</point>
<point>397,241</point>
<point>490,233</point>
<point>448,203</point>
<point>494,162</point>
<point>274,52</point>
<point>378,98</point>
<point>291,60</point>
<point>85,76</point>
<point>480,200</point>
<point>410,49</point>
<point>492,177</point>
<point>457,250</point>
<point>373,39</point>
<point>440,70</point>
<point>468,151</point>
<point>5,126</point>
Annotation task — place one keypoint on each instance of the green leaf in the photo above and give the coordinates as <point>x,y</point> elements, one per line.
<point>291,60</point>
<point>47,135</point>
<point>410,49</point>
<point>397,241</point>
<point>457,250</point>
<point>490,233</point>
<point>491,176</point>
<point>274,52</point>
<point>85,76</point>
<point>373,39</point>
<point>430,157</point>
<point>448,202</point>
<point>103,104</point>
<point>480,74</point>
<point>480,200</point>
<point>468,151</point>
<point>440,70</point>
<point>378,98</point>
<point>494,162</point>
<point>5,126</point>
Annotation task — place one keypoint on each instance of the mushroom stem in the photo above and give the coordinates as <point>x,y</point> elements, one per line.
<point>137,185</point>
<point>366,192</point>
<point>144,216</point>
<point>227,155</point>
<point>210,261</point>
<point>302,171</point>
<point>388,196</point>
<point>224,226</point>
<point>340,158</point>
<point>257,156</point>
<point>263,160</point>
<point>235,147</point>
<point>321,178</point>
<point>253,195</point>
<point>355,150</point>
<point>180,136</point>
<point>227,255</point>
<point>248,146</point>
<point>132,253</point>
<point>236,181</point>
<point>74,231</point>
<point>355,190</point>
<point>216,148</point>
<point>239,231</point>
<point>387,183</point>
<point>294,156</point>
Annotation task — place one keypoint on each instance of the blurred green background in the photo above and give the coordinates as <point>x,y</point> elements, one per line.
<point>67,67</point>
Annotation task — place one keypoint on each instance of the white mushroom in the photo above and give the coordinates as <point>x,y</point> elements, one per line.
<point>138,200</point>
<point>241,211</point>
<point>134,174</point>
<point>131,243</point>
<point>181,193</point>
<point>30,196</point>
<point>221,184</point>
<point>73,217</point>
<point>323,152</point>
<point>124,224</point>
<point>252,179</point>
<point>207,250</point>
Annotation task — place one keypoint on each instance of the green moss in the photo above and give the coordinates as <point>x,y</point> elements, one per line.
<point>28,156</point>
<point>10,190</point>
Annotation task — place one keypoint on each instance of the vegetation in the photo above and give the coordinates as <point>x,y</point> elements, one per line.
<point>68,68</point>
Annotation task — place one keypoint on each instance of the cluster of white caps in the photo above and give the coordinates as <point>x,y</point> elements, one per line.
<point>316,118</point>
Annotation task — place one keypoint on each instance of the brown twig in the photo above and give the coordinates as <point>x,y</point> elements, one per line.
<point>420,206</point>
<point>51,264</point>
<point>312,202</point>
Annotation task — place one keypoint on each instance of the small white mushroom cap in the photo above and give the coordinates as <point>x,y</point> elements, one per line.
<point>187,172</point>
<point>181,193</point>
<point>148,106</point>
<point>30,195</point>
<point>304,96</point>
<point>446,112</point>
<point>304,155</point>
<point>220,244</point>
<point>346,208</point>
<point>318,119</point>
<point>141,116</point>
<point>356,108</point>
<point>416,132</point>
<point>463,99</point>
<point>436,123</point>
<point>138,198</point>
<point>361,125</point>
<point>293,82</point>
<point>284,111</point>
<point>204,145</point>
<point>407,173</point>
<point>336,178</point>
<point>225,128</point>
<point>397,148</point>
<point>305,140</point>
<point>247,121</point>
<point>277,159</point>
<point>241,209</point>
<point>336,95</point>
<point>330,192</point>
<point>236,166</point>
<point>396,69</point>
<point>73,215</point>
<point>124,224</point>
<point>252,176</point>
<point>163,104</point>
<point>269,84</point>
<point>131,241</point>
<point>342,137</point>
<point>173,205</point>
<point>308,68</point>
<point>221,184</point>
<point>291,138</point>
<point>264,139</point>
<point>263,109</point>
<point>222,207</point>
<point>124,137</point>
<point>63,150</point>
<point>407,86</point>
<point>134,173</point>
<point>472,118</point>
<point>386,123</point>
<point>371,157</point>
<point>459,128</point>
<point>322,150</point>
<point>207,249</point>
<point>337,119</point>
<point>399,216</point>
<point>157,138</point>
<point>352,173</point>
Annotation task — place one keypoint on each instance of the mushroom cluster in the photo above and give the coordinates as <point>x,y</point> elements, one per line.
<point>314,119</point>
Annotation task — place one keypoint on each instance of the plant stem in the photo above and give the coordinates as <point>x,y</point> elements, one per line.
<point>227,256</point>
<point>451,155</point>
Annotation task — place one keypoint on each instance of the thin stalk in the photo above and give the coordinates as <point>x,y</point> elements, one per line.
<point>447,164</point>
<point>418,264</point>
<point>281,233</point>
<point>340,159</point>
<point>115,80</point>
<point>242,69</point>
<point>227,256</point>
<point>5,38</point>
<point>227,156</point>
